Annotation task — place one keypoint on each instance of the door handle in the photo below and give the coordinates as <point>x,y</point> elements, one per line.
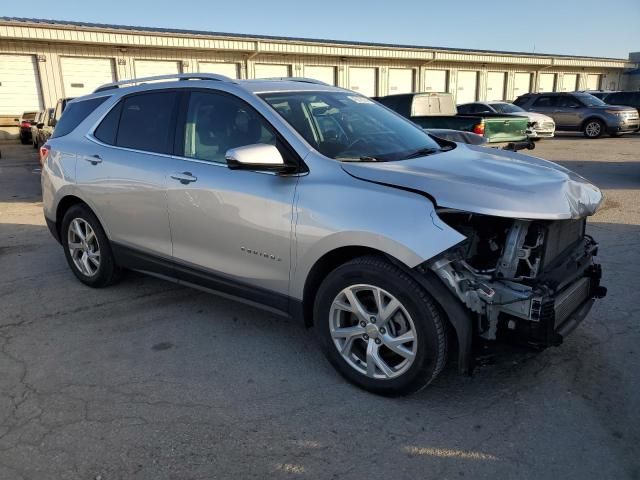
<point>93,159</point>
<point>184,177</point>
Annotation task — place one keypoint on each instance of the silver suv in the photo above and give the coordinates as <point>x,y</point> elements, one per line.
<point>318,203</point>
<point>582,112</point>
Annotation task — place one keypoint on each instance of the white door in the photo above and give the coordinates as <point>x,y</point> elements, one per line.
<point>594,81</point>
<point>569,82</point>
<point>400,80</point>
<point>495,86</point>
<point>19,85</point>
<point>227,69</point>
<point>435,81</point>
<point>547,82</point>
<point>363,80</point>
<point>266,70</point>
<point>82,75</point>
<point>322,73</point>
<point>467,88</point>
<point>150,68</point>
<point>521,84</point>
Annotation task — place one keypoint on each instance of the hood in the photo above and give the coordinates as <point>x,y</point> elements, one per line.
<point>618,108</point>
<point>489,182</point>
<point>533,116</point>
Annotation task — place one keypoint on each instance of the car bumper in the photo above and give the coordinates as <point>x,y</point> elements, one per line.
<point>540,133</point>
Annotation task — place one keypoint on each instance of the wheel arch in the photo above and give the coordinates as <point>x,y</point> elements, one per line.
<point>589,119</point>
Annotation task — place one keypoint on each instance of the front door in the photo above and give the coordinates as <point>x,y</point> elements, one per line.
<point>231,229</point>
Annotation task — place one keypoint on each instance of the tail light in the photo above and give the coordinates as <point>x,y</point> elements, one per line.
<point>478,128</point>
<point>44,151</point>
<point>25,124</point>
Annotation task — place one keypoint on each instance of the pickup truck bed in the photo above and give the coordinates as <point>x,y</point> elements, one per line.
<point>438,111</point>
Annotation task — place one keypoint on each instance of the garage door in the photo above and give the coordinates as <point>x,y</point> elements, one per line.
<point>363,80</point>
<point>495,85</point>
<point>150,68</point>
<point>227,69</point>
<point>467,88</point>
<point>19,85</point>
<point>521,84</point>
<point>547,82</point>
<point>319,72</point>
<point>400,80</point>
<point>594,82</point>
<point>569,82</point>
<point>435,81</point>
<point>265,70</point>
<point>81,75</point>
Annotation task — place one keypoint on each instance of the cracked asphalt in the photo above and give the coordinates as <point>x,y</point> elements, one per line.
<point>147,380</point>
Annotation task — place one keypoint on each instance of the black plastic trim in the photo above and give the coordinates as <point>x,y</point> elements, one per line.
<point>192,275</point>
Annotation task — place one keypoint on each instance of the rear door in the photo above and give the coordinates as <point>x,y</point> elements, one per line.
<point>123,172</point>
<point>231,229</point>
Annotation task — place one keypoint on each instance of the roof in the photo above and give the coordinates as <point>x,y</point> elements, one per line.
<point>175,31</point>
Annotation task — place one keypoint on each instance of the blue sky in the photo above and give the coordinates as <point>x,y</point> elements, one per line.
<point>587,27</point>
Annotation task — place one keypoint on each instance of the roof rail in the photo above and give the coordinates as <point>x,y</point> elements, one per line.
<point>179,76</point>
<point>297,79</point>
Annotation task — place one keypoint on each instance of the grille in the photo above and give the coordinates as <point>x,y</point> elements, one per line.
<point>570,299</point>
<point>546,125</point>
<point>560,236</point>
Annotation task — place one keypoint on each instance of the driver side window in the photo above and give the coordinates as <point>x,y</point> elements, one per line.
<point>215,123</point>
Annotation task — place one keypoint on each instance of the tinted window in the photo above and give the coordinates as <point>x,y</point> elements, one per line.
<point>567,101</point>
<point>74,114</point>
<point>146,122</point>
<point>521,100</point>
<point>545,102</point>
<point>588,100</point>
<point>506,108</point>
<point>215,123</point>
<point>465,109</point>
<point>622,98</point>
<point>108,128</point>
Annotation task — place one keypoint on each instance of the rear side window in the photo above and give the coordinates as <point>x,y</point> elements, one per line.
<point>146,122</point>
<point>108,128</point>
<point>545,102</point>
<point>74,114</point>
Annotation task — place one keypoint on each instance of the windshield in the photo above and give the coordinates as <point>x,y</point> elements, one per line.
<point>589,100</point>
<point>348,126</point>
<point>507,108</point>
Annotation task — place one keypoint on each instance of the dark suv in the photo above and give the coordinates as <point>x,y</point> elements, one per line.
<point>578,111</point>
<point>629,99</point>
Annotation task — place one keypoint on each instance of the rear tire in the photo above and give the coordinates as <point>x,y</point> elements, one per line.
<point>379,328</point>
<point>87,248</point>
<point>593,128</point>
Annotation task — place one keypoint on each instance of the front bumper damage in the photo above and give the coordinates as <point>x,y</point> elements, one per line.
<point>543,284</point>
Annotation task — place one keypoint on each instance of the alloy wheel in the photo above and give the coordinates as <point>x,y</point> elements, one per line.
<point>593,129</point>
<point>372,331</point>
<point>84,247</point>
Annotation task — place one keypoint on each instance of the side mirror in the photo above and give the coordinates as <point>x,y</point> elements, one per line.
<point>260,156</point>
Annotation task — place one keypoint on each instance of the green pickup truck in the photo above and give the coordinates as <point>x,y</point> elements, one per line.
<point>437,110</point>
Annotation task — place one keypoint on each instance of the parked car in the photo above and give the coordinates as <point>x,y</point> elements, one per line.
<point>581,112</point>
<point>48,127</point>
<point>26,121</point>
<point>539,125</point>
<point>438,110</point>
<point>318,203</point>
<point>629,99</point>
<point>39,118</point>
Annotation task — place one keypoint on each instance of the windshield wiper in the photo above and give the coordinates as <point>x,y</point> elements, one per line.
<point>422,152</point>
<point>364,158</point>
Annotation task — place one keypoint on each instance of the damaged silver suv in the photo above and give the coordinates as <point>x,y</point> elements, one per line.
<point>315,202</point>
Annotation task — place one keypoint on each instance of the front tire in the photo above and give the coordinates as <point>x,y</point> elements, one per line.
<point>593,128</point>
<point>379,328</point>
<point>87,248</point>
